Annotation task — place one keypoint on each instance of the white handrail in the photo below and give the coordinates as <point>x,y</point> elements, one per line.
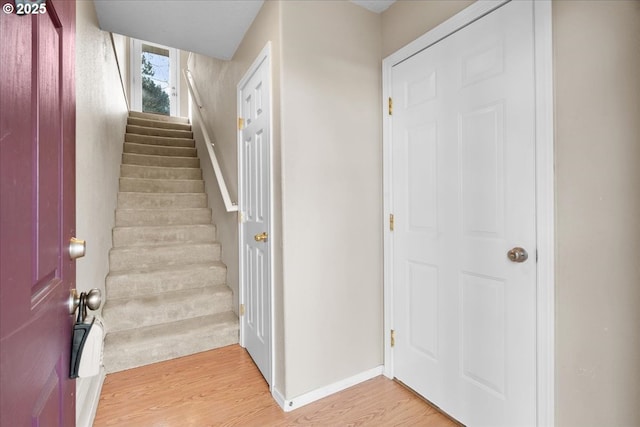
<point>229,205</point>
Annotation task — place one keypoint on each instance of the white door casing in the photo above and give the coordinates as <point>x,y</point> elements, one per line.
<point>254,158</point>
<point>461,179</point>
<point>136,77</point>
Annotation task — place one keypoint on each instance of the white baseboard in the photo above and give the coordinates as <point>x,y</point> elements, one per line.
<point>87,397</point>
<point>279,398</point>
<point>312,396</point>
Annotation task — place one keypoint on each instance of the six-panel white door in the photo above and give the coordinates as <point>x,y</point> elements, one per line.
<point>255,211</point>
<point>463,195</point>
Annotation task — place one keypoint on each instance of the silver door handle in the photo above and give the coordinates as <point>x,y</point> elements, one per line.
<point>92,299</point>
<point>518,254</point>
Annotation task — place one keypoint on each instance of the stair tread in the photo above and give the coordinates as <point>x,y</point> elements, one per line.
<point>162,246</point>
<point>164,227</point>
<point>156,156</point>
<point>138,347</point>
<point>143,281</point>
<point>151,332</point>
<point>169,215</point>
<point>159,117</point>
<point>157,150</point>
<point>161,124</point>
<point>147,130</point>
<point>186,267</point>
<point>156,168</point>
<point>166,139</point>
<point>173,295</point>
<point>162,209</point>
<point>132,178</point>
<point>157,201</point>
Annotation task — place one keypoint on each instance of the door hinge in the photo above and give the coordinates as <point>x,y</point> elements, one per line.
<point>390,106</point>
<point>241,309</point>
<point>393,338</point>
<point>392,222</point>
<point>240,123</point>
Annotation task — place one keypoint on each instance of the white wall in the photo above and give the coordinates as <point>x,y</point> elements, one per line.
<point>331,192</point>
<point>100,125</point>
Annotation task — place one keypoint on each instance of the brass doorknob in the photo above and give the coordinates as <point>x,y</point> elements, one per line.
<point>518,255</point>
<point>262,237</point>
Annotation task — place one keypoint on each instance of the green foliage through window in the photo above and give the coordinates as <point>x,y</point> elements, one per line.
<point>154,98</point>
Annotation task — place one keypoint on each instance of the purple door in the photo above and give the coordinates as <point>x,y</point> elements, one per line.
<point>37,214</point>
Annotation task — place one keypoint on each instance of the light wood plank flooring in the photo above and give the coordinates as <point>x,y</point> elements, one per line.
<point>224,388</point>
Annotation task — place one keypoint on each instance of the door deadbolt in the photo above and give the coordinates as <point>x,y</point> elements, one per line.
<point>77,248</point>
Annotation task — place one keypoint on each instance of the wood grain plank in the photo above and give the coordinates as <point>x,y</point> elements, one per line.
<point>223,387</point>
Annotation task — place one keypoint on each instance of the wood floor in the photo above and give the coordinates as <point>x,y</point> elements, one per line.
<point>224,388</point>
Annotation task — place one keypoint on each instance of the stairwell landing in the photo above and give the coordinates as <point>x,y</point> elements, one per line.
<point>166,292</point>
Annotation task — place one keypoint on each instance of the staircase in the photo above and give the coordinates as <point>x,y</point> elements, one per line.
<point>166,295</point>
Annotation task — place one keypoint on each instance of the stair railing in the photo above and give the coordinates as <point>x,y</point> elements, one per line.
<point>229,205</point>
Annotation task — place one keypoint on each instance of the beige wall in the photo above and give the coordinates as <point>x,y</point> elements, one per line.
<point>597,108</point>
<point>101,113</point>
<point>597,81</point>
<point>100,125</point>
<point>217,83</point>
<point>332,192</point>
<point>406,20</point>
<point>327,287</point>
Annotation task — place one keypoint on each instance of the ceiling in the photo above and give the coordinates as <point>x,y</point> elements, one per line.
<point>377,6</point>
<point>213,28</point>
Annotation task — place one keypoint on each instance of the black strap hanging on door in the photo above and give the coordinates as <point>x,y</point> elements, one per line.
<point>80,333</point>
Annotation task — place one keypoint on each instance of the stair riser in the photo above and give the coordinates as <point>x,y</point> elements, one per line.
<point>131,285</point>
<point>119,358</point>
<point>141,185</point>
<point>164,161</point>
<point>161,201</point>
<point>159,150</point>
<point>158,140</point>
<point>160,117</point>
<point>143,236</point>
<point>141,130</point>
<point>159,124</point>
<point>121,315</point>
<point>132,258</point>
<point>151,172</point>
<point>134,217</point>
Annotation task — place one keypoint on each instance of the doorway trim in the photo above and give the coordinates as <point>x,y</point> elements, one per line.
<point>264,57</point>
<point>135,62</point>
<point>545,193</point>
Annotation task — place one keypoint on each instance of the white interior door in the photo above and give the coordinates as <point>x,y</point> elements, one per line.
<point>154,78</point>
<point>255,205</point>
<point>463,195</point>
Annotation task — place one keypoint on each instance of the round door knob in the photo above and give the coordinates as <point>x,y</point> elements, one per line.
<point>518,255</point>
<point>94,299</point>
